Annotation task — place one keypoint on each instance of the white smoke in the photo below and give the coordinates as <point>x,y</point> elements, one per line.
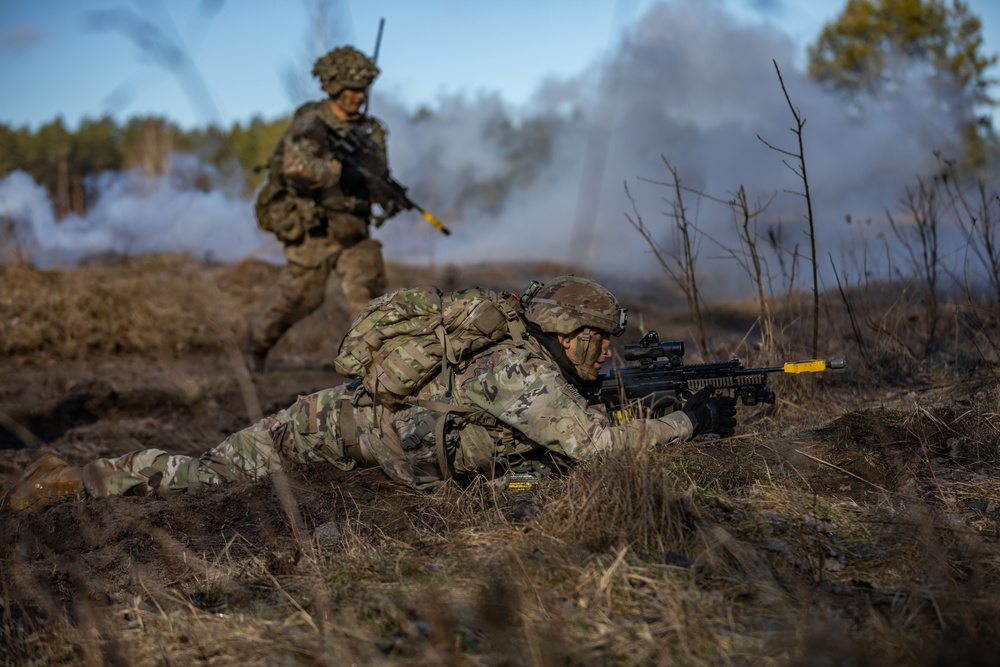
<point>136,214</point>
<point>687,82</point>
<point>691,84</point>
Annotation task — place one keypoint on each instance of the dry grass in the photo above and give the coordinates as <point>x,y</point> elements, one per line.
<point>146,304</point>
<point>852,523</point>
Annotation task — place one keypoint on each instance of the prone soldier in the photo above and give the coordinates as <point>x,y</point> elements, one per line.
<point>512,408</point>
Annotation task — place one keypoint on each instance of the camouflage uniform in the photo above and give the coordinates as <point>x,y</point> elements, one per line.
<point>510,407</point>
<point>320,208</point>
<point>521,414</point>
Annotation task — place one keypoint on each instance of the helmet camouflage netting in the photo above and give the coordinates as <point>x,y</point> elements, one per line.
<point>344,66</point>
<point>568,302</point>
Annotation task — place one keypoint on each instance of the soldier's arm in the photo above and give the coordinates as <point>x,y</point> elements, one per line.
<point>530,395</point>
<point>306,160</point>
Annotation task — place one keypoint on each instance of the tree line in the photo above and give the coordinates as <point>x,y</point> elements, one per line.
<point>66,161</point>
<point>866,53</point>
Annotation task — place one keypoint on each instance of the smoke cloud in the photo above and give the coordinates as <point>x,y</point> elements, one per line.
<point>687,83</point>
<point>136,214</point>
<point>690,84</point>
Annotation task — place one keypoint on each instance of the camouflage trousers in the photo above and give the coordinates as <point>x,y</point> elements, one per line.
<point>302,283</point>
<point>304,432</point>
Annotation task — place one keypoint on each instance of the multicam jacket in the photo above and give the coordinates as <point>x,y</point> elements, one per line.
<point>518,413</point>
<point>306,188</point>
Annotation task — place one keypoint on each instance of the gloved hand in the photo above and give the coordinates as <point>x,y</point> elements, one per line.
<point>711,414</point>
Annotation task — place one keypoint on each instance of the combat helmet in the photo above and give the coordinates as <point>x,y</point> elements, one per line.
<point>567,303</point>
<point>344,67</point>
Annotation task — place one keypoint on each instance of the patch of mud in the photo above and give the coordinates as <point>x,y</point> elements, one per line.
<point>84,411</point>
<point>109,549</point>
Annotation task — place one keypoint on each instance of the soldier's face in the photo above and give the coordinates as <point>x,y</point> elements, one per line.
<point>351,99</point>
<point>587,349</point>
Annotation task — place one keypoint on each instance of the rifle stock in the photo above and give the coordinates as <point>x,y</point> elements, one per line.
<point>659,379</point>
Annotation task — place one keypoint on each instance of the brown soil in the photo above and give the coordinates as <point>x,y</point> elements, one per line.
<point>845,501</point>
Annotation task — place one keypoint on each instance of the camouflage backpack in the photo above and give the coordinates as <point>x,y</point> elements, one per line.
<point>402,339</point>
<point>282,214</point>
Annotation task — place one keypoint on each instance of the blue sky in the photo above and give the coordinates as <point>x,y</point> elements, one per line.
<point>694,82</point>
<point>250,57</point>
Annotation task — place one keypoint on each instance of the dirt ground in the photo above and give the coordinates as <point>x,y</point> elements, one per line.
<point>815,490</point>
<point>94,399</point>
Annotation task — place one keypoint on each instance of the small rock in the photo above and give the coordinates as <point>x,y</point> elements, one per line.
<point>956,447</point>
<point>832,564</point>
<point>864,551</point>
<point>977,505</point>
<point>677,560</point>
<point>775,544</point>
<point>327,533</point>
<point>525,508</point>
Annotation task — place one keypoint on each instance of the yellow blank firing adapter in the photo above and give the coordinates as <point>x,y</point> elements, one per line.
<point>434,221</point>
<point>814,365</point>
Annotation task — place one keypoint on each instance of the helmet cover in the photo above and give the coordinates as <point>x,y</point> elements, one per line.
<point>344,67</point>
<point>568,303</point>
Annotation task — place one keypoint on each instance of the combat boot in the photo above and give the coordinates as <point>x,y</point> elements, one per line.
<point>254,354</point>
<point>48,481</point>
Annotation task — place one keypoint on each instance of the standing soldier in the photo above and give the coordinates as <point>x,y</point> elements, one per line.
<point>321,207</point>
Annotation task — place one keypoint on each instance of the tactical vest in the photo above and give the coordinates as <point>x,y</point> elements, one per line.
<point>289,212</point>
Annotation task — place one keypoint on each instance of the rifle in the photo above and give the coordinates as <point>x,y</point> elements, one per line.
<point>659,378</point>
<point>359,150</point>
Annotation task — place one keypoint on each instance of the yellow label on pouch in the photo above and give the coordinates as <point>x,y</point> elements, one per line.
<point>520,481</point>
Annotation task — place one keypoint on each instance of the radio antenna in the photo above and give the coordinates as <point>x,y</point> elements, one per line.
<point>378,44</point>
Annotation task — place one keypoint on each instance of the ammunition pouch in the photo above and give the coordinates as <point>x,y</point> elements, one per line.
<point>285,215</point>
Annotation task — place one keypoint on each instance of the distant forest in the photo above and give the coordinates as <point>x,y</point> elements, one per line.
<point>65,161</point>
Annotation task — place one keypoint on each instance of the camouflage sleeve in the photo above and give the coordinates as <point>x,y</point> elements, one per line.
<point>381,137</point>
<point>304,158</point>
<point>531,395</point>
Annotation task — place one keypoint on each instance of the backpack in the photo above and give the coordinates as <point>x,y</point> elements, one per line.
<point>403,339</point>
<point>283,214</point>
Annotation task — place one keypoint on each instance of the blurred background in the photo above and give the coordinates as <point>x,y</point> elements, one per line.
<point>554,131</point>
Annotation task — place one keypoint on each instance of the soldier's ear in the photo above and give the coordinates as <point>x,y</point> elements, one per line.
<point>566,341</point>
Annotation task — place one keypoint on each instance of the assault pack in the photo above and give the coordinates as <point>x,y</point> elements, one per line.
<point>404,338</point>
<point>280,212</point>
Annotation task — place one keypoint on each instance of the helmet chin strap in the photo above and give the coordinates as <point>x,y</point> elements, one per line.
<point>551,344</point>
